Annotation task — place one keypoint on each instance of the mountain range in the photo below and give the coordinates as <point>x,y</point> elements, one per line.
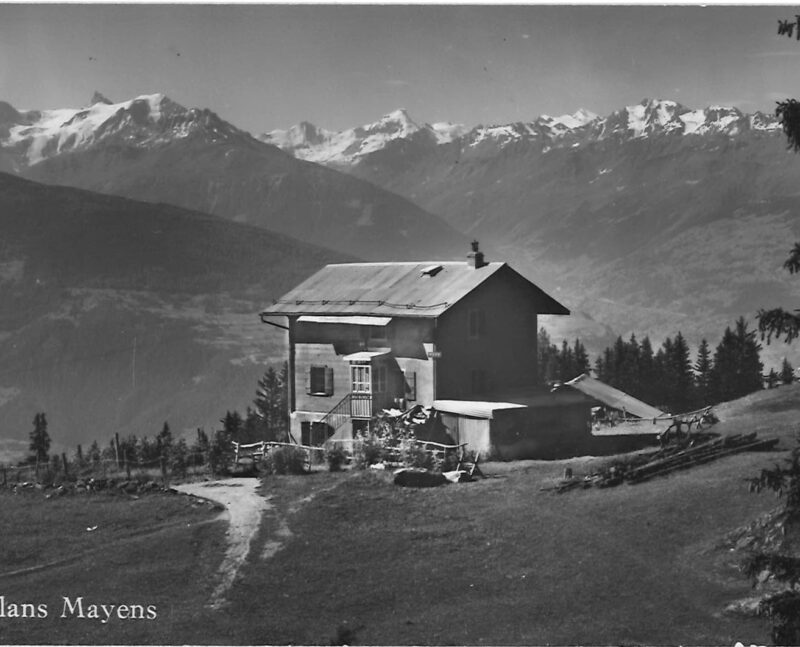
<point>652,219</point>
<point>153,149</point>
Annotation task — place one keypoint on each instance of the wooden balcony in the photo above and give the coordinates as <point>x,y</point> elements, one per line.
<point>361,406</point>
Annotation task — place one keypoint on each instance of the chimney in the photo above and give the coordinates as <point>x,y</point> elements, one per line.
<point>475,257</point>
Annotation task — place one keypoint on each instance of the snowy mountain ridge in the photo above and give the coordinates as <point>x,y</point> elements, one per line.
<point>649,118</point>
<point>314,144</point>
<point>32,136</point>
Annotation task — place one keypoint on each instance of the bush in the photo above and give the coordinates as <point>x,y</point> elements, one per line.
<point>369,451</point>
<point>417,456</point>
<point>285,460</point>
<point>336,457</point>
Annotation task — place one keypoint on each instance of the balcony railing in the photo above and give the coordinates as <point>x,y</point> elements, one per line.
<point>361,405</point>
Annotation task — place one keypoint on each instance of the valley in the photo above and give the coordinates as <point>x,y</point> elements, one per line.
<point>651,220</point>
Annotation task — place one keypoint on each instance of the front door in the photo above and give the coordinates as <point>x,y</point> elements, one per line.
<point>361,390</point>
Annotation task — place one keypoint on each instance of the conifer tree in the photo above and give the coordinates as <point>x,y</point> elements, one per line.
<point>702,375</point>
<point>582,363</point>
<point>750,366</point>
<point>39,439</point>
<point>682,377</point>
<point>94,455</point>
<point>787,372</point>
<point>737,368</point>
<point>271,405</point>
<point>200,448</point>
<point>164,439</point>
<point>647,371</point>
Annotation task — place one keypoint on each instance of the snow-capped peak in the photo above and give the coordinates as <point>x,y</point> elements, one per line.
<point>142,121</point>
<point>569,122</point>
<point>446,132</point>
<point>98,97</point>
<point>650,117</point>
<point>308,142</point>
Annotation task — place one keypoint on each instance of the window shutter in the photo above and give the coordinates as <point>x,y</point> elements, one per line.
<point>328,380</point>
<point>308,380</point>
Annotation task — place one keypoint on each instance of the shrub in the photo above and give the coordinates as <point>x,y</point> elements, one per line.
<point>336,457</point>
<point>285,460</point>
<point>369,451</point>
<point>417,456</point>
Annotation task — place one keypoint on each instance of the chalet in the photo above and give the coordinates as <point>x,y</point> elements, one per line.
<point>456,336</point>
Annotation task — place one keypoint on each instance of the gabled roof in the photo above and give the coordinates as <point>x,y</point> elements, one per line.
<point>614,398</point>
<point>385,289</point>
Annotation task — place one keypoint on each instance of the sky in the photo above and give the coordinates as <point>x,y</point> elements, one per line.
<point>264,67</point>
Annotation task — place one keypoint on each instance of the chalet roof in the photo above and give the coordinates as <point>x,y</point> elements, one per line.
<point>474,408</point>
<point>411,289</point>
<point>614,398</point>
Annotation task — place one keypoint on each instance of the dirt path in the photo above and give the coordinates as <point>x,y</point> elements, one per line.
<point>244,508</point>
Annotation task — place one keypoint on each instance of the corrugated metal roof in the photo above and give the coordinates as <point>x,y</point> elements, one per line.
<point>353,321</point>
<point>613,397</point>
<point>474,408</point>
<point>393,289</point>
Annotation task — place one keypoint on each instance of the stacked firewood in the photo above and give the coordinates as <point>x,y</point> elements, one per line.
<point>668,459</point>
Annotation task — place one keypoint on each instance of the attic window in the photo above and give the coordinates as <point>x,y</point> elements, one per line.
<point>431,270</point>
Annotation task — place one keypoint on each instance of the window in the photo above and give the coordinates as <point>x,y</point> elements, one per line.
<point>476,323</point>
<point>362,381</point>
<point>319,380</point>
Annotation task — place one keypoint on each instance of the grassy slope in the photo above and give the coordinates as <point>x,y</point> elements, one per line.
<point>158,549</point>
<point>498,561</point>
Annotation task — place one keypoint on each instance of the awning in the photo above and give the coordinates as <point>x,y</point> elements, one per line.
<point>353,321</point>
<point>613,398</point>
<point>366,355</point>
<point>474,408</point>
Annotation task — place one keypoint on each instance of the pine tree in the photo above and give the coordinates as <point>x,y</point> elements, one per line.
<point>737,368</point>
<point>546,354</point>
<point>647,375</point>
<point>94,455</point>
<point>787,372</point>
<point>272,404</point>
<point>682,376</point>
<point>178,457</point>
<point>723,371</point>
<point>750,366</point>
<point>778,322</point>
<point>39,439</point>
<point>566,363</point>
<point>702,376</point>
<point>200,448</point>
<point>164,440</point>
<point>582,363</point>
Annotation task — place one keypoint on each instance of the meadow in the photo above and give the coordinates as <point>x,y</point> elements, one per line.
<point>351,558</point>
